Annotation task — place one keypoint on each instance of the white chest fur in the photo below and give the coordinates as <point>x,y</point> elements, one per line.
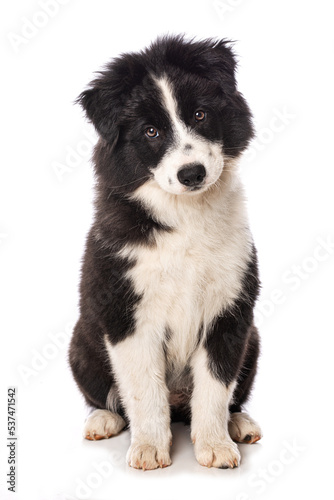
<point>193,272</point>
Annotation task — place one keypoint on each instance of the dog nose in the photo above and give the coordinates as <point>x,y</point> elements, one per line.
<point>192,175</point>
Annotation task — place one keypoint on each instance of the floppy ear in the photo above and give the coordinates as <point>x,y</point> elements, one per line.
<point>223,65</point>
<point>103,101</point>
<point>101,108</point>
<point>237,125</point>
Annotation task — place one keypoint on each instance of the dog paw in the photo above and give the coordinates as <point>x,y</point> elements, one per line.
<point>147,457</point>
<point>102,424</point>
<point>243,429</point>
<point>224,455</point>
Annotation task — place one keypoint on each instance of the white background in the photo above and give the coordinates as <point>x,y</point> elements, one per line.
<point>285,51</point>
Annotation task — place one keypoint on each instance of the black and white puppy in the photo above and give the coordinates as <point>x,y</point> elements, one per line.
<point>169,277</point>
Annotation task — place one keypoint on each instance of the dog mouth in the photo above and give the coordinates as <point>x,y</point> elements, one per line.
<point>195,189</point>
<point>201,188</point>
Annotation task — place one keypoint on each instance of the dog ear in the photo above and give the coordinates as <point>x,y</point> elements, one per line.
<point>237,124</point>
<point>101,110</point>
<point>223,64</point>
<point>104,100</point>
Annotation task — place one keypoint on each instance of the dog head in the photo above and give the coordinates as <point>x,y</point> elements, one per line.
<point>171,113</point>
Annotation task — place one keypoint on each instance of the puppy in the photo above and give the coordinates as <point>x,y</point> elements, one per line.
<point>169,277</point>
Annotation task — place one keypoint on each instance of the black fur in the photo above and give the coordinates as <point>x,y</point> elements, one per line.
<point>116,103</point>
<point>231,333</point>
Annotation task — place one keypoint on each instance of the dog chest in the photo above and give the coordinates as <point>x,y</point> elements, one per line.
<point>186,279</point>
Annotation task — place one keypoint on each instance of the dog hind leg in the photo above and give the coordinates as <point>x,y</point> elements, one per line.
<point>103,424</point>
<point>242,428</point>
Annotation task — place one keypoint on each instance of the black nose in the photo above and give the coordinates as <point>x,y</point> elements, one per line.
<point>192,175</point>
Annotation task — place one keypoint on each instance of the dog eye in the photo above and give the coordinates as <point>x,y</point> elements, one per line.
<point>152,132</point>
<point>200,115</point>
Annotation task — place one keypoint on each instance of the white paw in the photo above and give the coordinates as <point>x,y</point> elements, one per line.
<point>243,428</point>
<point>223,455</point>
<point>102,424</point>
<point>147,456</point>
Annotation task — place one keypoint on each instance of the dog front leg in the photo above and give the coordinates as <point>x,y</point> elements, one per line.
<point>139,365</point>
<point>209,416</point>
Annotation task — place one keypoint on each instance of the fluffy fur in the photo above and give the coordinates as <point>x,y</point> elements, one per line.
<point>169,278</point>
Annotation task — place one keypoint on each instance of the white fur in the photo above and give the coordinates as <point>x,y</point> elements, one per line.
<point>139,366</point>
<point>190,275</point>
<point>202,151</point>
<point>102,424</point>
<point>185,278</point>
<point>210,413</point>
<point>242,426</point>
